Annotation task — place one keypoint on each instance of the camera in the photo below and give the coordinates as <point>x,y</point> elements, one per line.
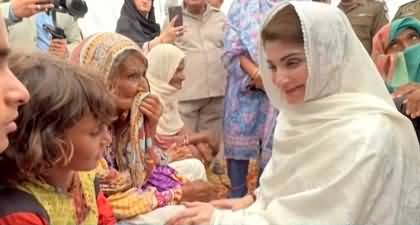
<point>75,8</point>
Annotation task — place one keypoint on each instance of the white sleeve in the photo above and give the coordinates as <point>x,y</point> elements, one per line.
<point>348,197</point>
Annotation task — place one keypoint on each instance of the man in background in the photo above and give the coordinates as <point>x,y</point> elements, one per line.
<point>409,9</point>
<point>201,99</point>
<point>26,20</point>
<point>366,18</point>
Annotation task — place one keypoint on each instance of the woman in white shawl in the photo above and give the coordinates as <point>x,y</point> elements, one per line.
<point>165,75</point>
<point>342,153</point>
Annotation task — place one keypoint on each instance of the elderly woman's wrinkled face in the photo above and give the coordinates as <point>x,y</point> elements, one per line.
<point>143,6</point>
<point>287,64</point>
<point>404,40</point>
<point>128,80</point>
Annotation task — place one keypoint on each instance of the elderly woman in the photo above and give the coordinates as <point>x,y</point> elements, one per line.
<point>201,101</point>
<point>139,181</point>
<point>342,152</point>
<point>248,116</point>
<point>165,74</point>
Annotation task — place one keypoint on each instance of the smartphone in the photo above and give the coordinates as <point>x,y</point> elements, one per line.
<point>175,11</point>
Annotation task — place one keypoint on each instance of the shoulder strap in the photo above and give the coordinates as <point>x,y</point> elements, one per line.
<point>14,200</point>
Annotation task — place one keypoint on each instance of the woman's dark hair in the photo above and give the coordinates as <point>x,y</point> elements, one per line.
<point>285,26</point>
<point>61,94</point>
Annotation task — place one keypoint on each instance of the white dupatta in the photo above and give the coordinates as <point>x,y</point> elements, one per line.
<point>163,61</point>
<point>344,156</point>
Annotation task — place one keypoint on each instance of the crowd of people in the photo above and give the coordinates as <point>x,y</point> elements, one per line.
<point>123,127</point>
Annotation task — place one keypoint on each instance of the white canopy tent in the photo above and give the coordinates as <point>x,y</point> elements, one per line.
<point>103,15</point>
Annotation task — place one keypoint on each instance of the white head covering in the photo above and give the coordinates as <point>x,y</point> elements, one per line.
<point>344,156</point>
<point>163,60</point>
<point>336,60</point>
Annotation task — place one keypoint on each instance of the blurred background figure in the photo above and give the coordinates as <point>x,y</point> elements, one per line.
<point>99,18</point>
<point>215,3</point>
<point>137,22</point>
<point>249,118</point>
<point>26,20</point>
<point>366,18</point>
<point>411,8</point>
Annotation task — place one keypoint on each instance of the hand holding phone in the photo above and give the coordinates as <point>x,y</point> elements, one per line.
<point>171,33</point>
<point>176,11</point>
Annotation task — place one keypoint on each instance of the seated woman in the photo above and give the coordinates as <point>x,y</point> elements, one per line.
<point>342,153</point>
<point>396,52</point>
<point>165,74</point>
<point>135,176</point>
<point>47,175</point>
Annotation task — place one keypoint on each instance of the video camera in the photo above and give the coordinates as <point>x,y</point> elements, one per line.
<point>75,8</point>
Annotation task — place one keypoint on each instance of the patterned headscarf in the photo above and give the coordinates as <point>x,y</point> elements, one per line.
<point>101,51</point>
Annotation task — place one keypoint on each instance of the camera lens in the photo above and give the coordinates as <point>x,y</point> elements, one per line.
<point>76,8</point>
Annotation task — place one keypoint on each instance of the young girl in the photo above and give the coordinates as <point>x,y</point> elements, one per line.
<point>62,133</point>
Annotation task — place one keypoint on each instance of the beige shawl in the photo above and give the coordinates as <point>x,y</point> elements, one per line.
<point>163,60</point>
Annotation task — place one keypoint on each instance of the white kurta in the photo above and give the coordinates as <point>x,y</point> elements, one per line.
<point>372,182</point>
<point>344,156</point>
